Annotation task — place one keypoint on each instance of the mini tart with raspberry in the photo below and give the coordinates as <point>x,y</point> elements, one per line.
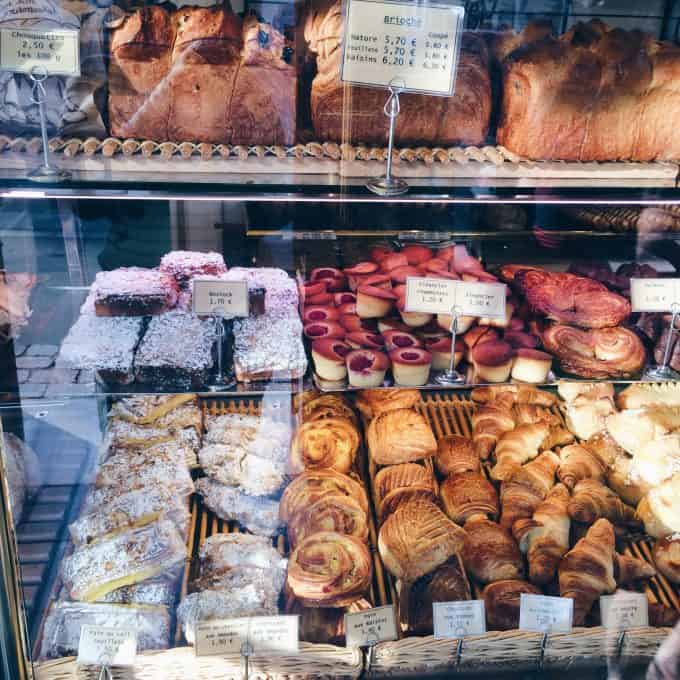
<point>315,330</point>
<point>313,313</point>
<point>410,366</point>
<point>353,324</point>
<point>366,367</point>
<point>364,339</point>
<point>359,272</point>
<point>492,361</point>
<point>476,336</point>
<point>329,355</point>
<point>400,340</point>
<point>440,348</point>
<point>347,308</point>
<point>400,274</point>
<point>336,279</point>
<point>346,297</point>
<point>373,302</point>
<point>417,254</point>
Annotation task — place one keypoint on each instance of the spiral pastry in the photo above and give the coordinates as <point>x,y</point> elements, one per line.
<point>313,485</point>
<point>341,514</point>
<point>326,406</point>
<point>326,444</point>
<point>328,569</point>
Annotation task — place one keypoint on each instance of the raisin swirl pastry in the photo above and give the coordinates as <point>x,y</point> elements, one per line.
<point>329,443</point>
<point>341,514</point>
<point>328,569</point>
<point>313,485</point>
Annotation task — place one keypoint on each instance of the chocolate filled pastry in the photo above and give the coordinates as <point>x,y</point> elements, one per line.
<point>372,403</point>
<point>400,436</point>
<point>396,483</point>
<point>468,494</point>
<point>490,553</point>
<point>502,601</point>
<point>456,454</point>
<point>326,444</point>
<point>328,569</point>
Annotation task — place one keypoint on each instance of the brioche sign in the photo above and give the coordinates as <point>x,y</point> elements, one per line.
<point>392,39</point>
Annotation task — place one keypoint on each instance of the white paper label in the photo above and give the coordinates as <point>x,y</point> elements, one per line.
<point>458,619</point>
<point>417,44</point>
<point>367,628</point>
<point>222,298</point>
<point>103,646</point>
<point>57,51</point>
<point>624,610</point>
<point>544,614</point>
<point>441,296</point>
<point>259,634</point>
<point>654,295</point>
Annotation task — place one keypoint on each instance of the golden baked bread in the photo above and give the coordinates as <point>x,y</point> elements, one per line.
<point>396,483</point>
<point>501,602</point>
<point>313,485</point>
<point>666,555</point>
<point>640,395</point>
<point>468,494</point>
<point>545,537</point>
<point>520,394</point>
<point>400,436</point>
<point>593,500</point>
<point>577,463</point>
<point>372,403</point>
<point>619,480</point>
<point>328,569</point>
<point>660,509</point>
<point>490,422</point>
<point>315,406</point>
<point>587,570</point>
<point>629,571</point>
<point>490,553</point>
<point>456,454</point>
<point>325,444</point>
<point>417,538</point>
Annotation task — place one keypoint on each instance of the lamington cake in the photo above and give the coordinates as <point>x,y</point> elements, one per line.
<point>183,265</point>
<point>281,292</point>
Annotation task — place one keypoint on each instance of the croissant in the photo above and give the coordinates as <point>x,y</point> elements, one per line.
<point>456,454</point>
<point>577,463</point>
<point>372,403</point>
<point>587,570</point>
<point>629,570</point>
<point>417,538</point>
<point>502,600</point>
<point>396,483</point>
<point>521,394</point>
<point>517,447</point>
<point>489,424</point>
<point>325,444</point>
<point>666,555</point>
<point>526,486</point>
<point>312,485</point>
<point>341,514</point>
<point>593,500</point>
<point>468,494</point>
<point>400,436</point>
<point>528,414</point>
<point>490,553</point>
<point>328,569</point>
<point>545,538</point>
<point>661,616</point>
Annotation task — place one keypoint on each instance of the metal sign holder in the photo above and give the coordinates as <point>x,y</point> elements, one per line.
<point>220,383</point>
<point>451,376</point>
<point>664,371</point>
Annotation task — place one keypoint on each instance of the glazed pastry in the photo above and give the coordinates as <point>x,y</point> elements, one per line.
<point>372,403</point>
<point>577,463</point>
<point>328,569</point>
<point>592,500</point>
<point>630,570</point>
<point>640,395</point>
<point>490,553</point>
<point>396,483</point>
<point>330,443</point>
<point>456,454</point>
<point>340,514</point>
<point>314,485</point>
<point>318,406</point>
<point>521,394</point>
<point>467,494</point>
<point>400,436</point>
<point>667,557</point>
<point>501,602</point>
<point>587,570</point>
<point>659,509</point>
<point>417,538</point>
<point>489,423</point>
<point>544,538</point>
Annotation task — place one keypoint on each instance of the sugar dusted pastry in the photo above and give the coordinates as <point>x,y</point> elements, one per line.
<point>659,509</point>
<point>260,435</point>
<point>656,461</point>
<point>221,552</point>
<point>166,411</point>
<point>161,592</point>
<point>183,265</point>
<point>640,395</point>
<point>281,291</point>
<point>400,436</point>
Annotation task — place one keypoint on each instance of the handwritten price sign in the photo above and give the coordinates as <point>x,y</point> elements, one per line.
<point>56,52</point>
<point>440,296</point>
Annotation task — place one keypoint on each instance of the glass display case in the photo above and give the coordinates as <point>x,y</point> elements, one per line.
<point>424,412</point>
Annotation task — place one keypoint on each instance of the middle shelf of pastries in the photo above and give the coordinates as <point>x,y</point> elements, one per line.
<point>207,509</point>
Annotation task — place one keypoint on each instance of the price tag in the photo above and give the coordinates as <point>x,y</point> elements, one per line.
<point>367,628</point>
<point>624,610</point>
<point>103,646</point>
<point>654,295</point>
<point>263,634</point>
<point>56,51</point>
<point>416,43</point>
<point>545,614</point>
<point>440,296</point>
<point>458,619</point>
<point>222,298</point>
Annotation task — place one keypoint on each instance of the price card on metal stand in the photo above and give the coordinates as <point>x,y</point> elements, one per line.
<point>107,646</point>
<point>222,298</point>
<point>654,295</point>
<point>624,610</point>
<point>57,51</point>
<point>367,628</point>
<point>454,620</point>
<point>545,614</point>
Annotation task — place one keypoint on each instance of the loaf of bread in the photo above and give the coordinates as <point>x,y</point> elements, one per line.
<point>201,74</point>
<point>594,94</point>
<point>343,113</point>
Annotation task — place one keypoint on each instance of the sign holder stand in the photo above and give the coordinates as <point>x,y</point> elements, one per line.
<point>664,371</point>
<point>45,173</point>
<point>105,672</point>
<point>452,377</point>
<point>220,384</point>
<point>389,185</point>
<point>246,651</point>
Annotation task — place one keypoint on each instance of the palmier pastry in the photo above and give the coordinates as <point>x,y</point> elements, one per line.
<point>325,406</point>
<point>501,602</point>
<point>490,552</point>
<point>667,558</point>
<point>468,494</point>
<point>417,538</point>
<point>400,436</point>
<point>341,514</point>
<point>396,483</point>
<point>312,485</point>
<point>456,454</point>
<point>372,403</point>
<point>326,444</point>
<point>328,569</point>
